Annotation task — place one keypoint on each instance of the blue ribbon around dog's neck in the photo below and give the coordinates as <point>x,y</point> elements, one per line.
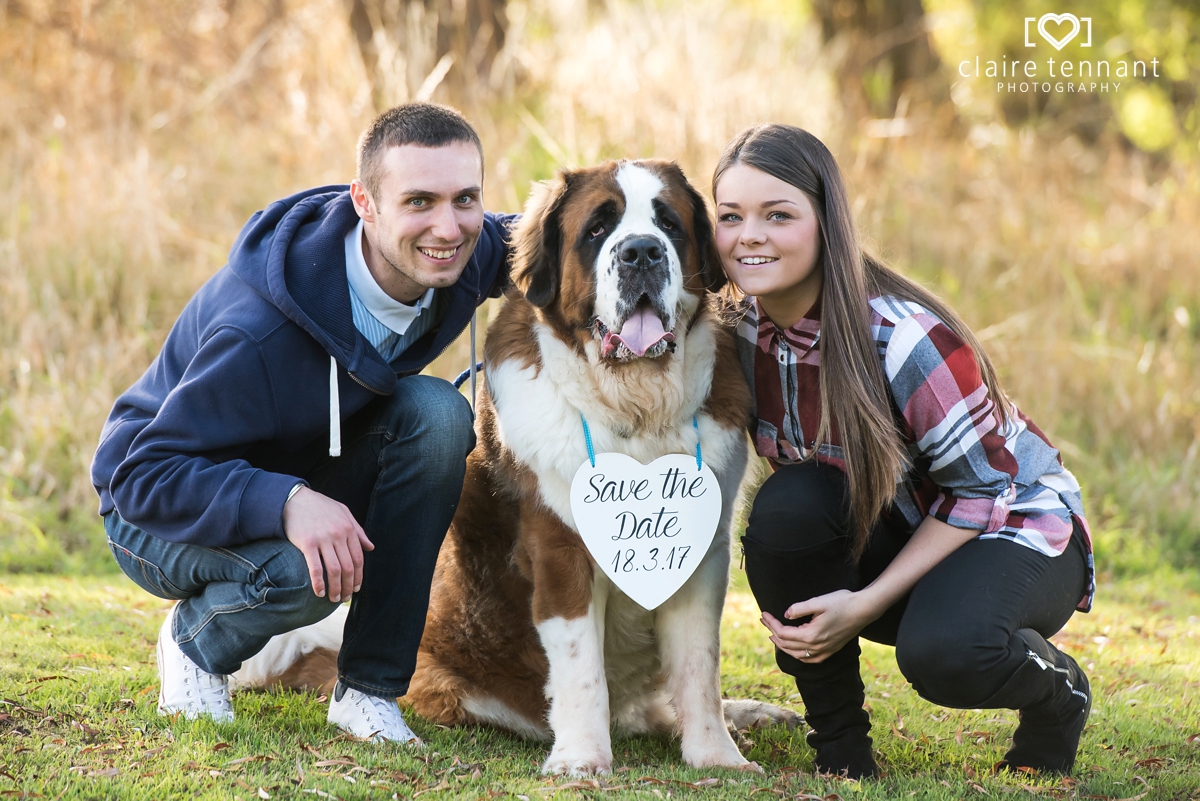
<point>587,437</point>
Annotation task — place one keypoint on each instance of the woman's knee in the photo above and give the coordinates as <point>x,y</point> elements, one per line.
<point>798,507</point>
<point>949,666</point>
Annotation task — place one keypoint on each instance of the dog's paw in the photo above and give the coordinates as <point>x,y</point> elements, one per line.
<point>715,749</point>
<point>741,715</point>
<point>578,761</point>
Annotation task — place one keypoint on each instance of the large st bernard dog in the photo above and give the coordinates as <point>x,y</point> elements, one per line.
<point>610,317</point>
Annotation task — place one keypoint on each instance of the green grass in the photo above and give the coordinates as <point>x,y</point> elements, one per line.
<point>78,720</point>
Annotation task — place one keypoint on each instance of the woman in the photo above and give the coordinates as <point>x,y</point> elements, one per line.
<point>910,502</point>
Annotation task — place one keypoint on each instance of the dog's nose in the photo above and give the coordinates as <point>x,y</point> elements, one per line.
<point>641,251</point>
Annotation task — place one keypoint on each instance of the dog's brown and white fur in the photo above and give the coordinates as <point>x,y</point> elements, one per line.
<point>524,632</point>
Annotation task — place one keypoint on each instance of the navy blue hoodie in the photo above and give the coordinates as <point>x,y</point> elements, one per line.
<point>199,449</point>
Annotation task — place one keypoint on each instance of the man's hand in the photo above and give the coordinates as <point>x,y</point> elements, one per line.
<point>330,539</point>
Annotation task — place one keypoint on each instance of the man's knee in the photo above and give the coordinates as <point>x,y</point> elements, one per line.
<point>288,585</point>
<point>431,411</point>
<point>950,666</point>
<point>798,507</point>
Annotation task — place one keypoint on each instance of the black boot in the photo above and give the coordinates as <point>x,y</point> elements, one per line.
<point>849,756</point>
<point>832,690</point>
<point>1047,737</point>
<point>833,707</point>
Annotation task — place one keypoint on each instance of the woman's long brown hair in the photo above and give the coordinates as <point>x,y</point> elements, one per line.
<point>854,393</point>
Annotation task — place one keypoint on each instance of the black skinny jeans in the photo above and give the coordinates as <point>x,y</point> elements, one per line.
<point>966,634</point>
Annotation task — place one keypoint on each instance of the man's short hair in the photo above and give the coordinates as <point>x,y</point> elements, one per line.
<point>424,124</point>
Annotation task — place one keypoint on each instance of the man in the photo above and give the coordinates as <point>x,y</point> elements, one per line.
<point>281,455</point>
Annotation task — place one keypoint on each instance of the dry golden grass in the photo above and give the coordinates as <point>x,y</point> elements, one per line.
<point>137,137</point>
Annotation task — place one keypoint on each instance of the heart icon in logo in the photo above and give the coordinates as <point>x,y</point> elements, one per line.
<point>1059,19</point>
<point>647,526</point>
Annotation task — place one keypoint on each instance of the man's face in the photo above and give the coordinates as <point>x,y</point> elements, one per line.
<point>423,226</point>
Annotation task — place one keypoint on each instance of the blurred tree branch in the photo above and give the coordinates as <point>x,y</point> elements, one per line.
<point>181,45</point>
<point>61,22</point>
<point>404,44</point>
<point>883,52</point>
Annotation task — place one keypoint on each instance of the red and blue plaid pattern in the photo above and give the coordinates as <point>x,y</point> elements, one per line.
<point>967,469</point>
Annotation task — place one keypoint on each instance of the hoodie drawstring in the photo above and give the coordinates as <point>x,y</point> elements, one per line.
<point>335,411</point>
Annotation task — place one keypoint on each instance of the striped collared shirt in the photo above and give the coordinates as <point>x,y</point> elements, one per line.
<point>389,325</point>
<point>968,470</point>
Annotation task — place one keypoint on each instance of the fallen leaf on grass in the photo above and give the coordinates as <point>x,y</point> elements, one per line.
<point>444,785</point>
<point>709,781</point>
<point>320,793</point>
<point>325,763</point>
<point>255,758</point>
<point>221,746</point>
<point>1002,765</point>
<point>1150,762</point>
<point>263,793</point>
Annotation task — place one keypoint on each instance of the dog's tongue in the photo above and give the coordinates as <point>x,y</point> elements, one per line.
<point>642,331</point>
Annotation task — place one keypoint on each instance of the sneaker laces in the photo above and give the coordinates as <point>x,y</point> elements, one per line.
<point>210,688</point>
<point>382,715</point>
<point>387,712</point>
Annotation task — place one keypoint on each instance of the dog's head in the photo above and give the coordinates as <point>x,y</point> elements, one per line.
<point>621,253</point>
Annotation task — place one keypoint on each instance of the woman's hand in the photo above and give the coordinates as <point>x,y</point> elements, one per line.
<point>836,619</point>
<point>839,616</point>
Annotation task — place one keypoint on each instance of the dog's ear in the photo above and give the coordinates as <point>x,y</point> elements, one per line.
<point>712,275</point>
<point>538,241</point>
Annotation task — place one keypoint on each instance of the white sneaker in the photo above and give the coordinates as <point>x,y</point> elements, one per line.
<point>369,717</point>
<point>184,686</point>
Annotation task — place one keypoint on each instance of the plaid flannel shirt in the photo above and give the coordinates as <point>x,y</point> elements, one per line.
<point>967,469</point>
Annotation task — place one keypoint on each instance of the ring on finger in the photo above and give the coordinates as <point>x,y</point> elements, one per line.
<point>807,653</point>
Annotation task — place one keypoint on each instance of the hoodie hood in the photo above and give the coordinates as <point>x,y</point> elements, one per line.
<point>291,253</point>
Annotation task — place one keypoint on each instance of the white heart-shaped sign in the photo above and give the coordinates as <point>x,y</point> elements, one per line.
<point>1059,44</point>
<point>647,526</point>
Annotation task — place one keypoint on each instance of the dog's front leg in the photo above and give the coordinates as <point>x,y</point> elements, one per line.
<point>689,628</point>
<point>570,621</point>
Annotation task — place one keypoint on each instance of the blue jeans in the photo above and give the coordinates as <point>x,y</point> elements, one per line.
<point>401,474</point>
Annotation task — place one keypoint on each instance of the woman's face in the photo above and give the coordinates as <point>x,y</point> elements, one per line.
<point>769,240</point>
